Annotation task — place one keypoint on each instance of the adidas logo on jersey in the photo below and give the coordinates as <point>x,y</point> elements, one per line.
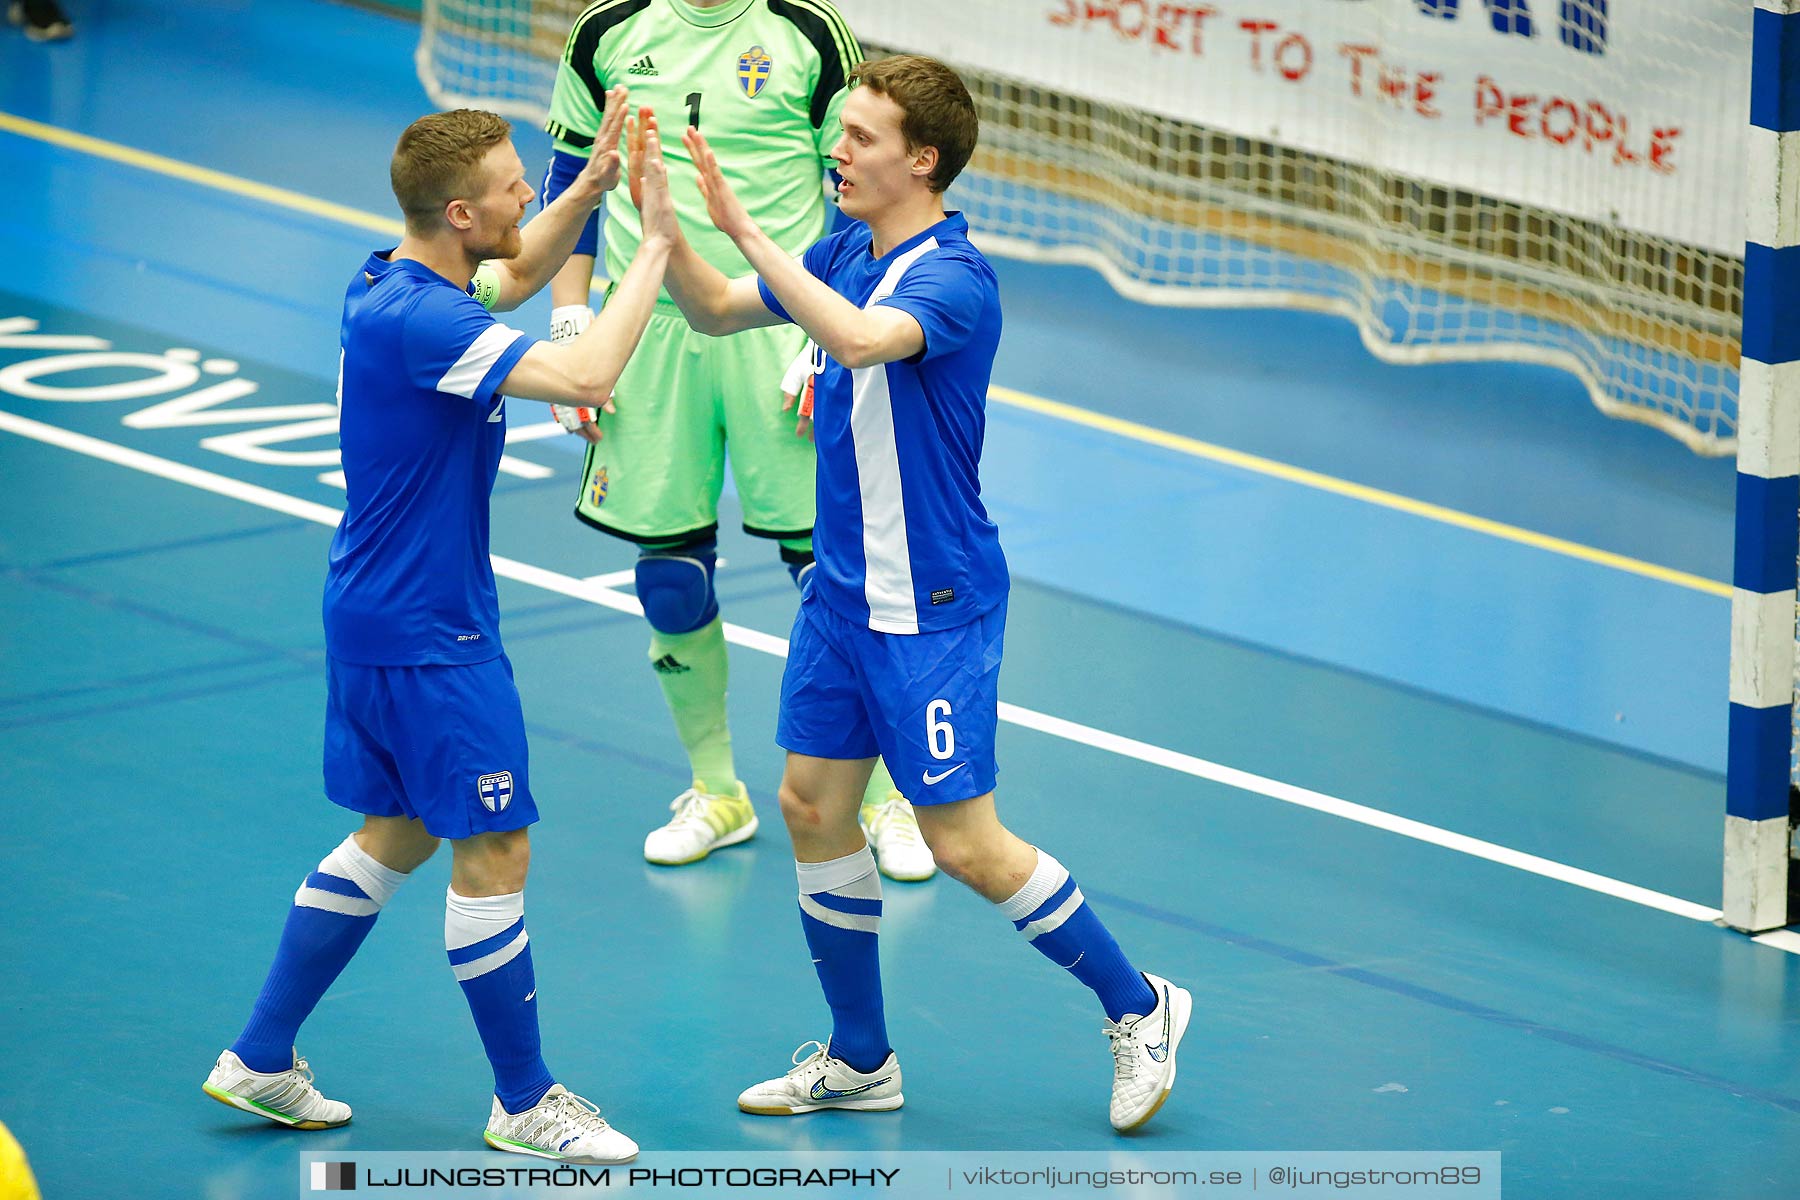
<point>643,66</point>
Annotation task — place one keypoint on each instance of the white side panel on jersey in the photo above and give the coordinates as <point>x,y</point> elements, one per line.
<point>887,558</point>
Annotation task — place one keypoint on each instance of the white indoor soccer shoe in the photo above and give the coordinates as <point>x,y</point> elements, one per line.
<point>562,1126</point>
<point>820,1081</point>
<point>703,822</point>
<point>284,1097</point>
<point>1143,1050</point>
<point>893,835</point>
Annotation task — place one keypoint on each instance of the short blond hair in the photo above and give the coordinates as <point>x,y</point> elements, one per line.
<point>437,160</point>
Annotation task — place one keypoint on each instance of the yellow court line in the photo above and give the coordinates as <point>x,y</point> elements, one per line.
<point>1117,426</point>
<point>1355,491</point>
<point>204,176</point>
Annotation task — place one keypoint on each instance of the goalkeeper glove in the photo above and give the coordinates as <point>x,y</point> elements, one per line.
<point>566,324</point>
<point>797,386</point>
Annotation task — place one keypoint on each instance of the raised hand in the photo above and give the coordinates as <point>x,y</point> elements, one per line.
<point>723,207</point>
<point>636,134</point>
<point>656,207</point>
<point>602,170</point>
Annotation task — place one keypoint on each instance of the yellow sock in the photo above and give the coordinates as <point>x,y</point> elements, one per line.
<point>693,671</point>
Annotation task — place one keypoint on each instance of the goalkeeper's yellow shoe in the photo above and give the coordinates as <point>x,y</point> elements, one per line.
<point>704,821</point>
<point>16,1179</point>
<point>893,834</point>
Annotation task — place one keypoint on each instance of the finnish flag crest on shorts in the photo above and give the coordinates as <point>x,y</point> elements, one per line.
<point>495,790</point>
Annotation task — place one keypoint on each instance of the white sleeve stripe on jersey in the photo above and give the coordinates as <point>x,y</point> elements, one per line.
<point>465,375</point>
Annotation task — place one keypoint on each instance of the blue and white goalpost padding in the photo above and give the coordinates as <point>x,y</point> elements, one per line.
<point>1759,759</point>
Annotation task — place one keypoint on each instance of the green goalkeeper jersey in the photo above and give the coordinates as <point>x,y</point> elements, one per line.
<point>763,79</point>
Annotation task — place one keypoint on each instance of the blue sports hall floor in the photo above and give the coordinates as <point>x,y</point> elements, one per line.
<point>1426,812</point>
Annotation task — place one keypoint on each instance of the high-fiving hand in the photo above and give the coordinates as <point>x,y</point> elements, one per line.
<point>602,170</point>
<point>723,207</point>
<point>656,207</point>
<point>648,178</point>
<point>635,135</point>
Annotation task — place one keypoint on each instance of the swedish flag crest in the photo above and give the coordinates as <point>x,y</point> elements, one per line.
<point>754,66</point>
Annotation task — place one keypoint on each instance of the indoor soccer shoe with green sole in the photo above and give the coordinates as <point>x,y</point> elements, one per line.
<point>561,1126</point>
<point>704,821</point>
<point>820,1081</point>
<point>284,1097</point>
<point>1143,1050</point>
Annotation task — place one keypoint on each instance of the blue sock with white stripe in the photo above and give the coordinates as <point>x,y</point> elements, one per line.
<point>333,912</point>
<point>491,955</point>
<point>1055,917</point>
<point>840,910</point>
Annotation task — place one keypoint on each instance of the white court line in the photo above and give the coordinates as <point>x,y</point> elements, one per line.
<point>595,592</point>
<point>1187,764</point>
<point>524,468</point>
<point>1781,939</point>
<point>536,432</point>
<point>612,578</point>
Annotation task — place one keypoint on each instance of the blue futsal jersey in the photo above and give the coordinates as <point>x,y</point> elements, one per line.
<point>903,542</point>
<point>422,428</point>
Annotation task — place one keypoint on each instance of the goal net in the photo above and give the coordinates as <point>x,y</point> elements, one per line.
<point>500,55</point>
<point>1549,181</point>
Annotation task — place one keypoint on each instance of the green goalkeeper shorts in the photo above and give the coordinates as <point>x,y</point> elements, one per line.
<point>656,473</point>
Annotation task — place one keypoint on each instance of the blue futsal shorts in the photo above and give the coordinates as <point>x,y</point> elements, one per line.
<point>443,744</point>
<point>927,703</point>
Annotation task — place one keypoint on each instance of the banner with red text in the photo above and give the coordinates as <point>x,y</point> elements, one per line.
<point>1633,112</point>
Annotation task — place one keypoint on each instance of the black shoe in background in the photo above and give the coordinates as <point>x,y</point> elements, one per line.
<point>42,20</point>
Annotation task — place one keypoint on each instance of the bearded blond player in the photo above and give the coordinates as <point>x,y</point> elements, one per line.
<point>424,731</point>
